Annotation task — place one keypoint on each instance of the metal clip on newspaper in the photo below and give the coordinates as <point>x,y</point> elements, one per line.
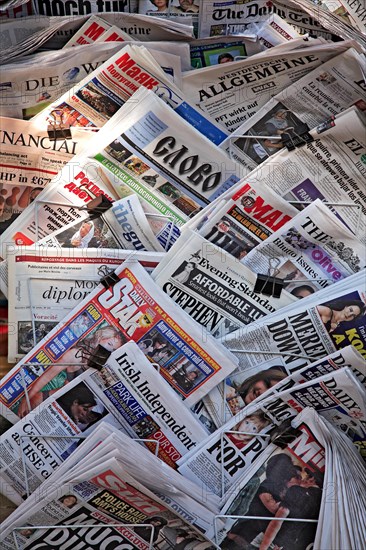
<point>56,130</point>
<point>284,434</point>
<point>98,206</point>
<point>297,138</point>
<point>98,359</point>
<point>269,284</point>
<point>110,279</point>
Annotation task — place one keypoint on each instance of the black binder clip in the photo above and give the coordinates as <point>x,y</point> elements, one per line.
<point>110,279</point>
<point>284,434</point>
<point>98,359</point>
<point>297,138</point>
<point>56,130</point>
<point>98,206</point>
<point>269,284</point>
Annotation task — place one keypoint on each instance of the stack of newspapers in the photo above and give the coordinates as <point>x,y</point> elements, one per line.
<point>183,254</point>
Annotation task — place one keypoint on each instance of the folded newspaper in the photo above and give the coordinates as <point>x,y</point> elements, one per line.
<point>30,159</point>
<point>314,99</point>
<point>45,285</point>
<point>127,306</point>
<point>232,93</point>
<point>212,287</point>
<point>228,454</point>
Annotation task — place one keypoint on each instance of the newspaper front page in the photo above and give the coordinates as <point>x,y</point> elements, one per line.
<point>212,287</point>
<point>229,453</point>
<point>297,493</point>
<point>29,160</point>
<point>308,252</point>
<point>232,93</point>
<point>331,168</point>
<point>315,99</point>
<point>206,52</point>
<point>221,17</point>
<point>48,7</point>
<point>286,342</point>
<point>121,512</point>
<point>129,307</point>
<point>45,285</point>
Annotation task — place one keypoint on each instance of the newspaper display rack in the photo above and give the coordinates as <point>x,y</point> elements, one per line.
<point>182,233</point>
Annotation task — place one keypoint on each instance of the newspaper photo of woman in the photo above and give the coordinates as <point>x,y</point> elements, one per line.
<point>336,312</point>
<point>83,235</point>
<point>160,5</point>
<point>82,406</point>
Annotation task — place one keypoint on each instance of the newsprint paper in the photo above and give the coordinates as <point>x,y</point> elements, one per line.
<point>127,392</point>
<point>45,285</point>
<point>227,455</point>
<point>129,307</point>
<point>233,92</point>
<point>212,286</point>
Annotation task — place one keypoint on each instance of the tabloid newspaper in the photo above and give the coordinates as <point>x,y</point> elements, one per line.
<point>228,454</point>
<point>45,285</point>
<point>233,92</point>
<point>287,482</point>
<point>127,392</point>
<point>331,168</point>
<point>105,443</point>
<point>221,17</point>
<point>245,217</point>
<point>206,52</point>
<point>315,99</point>
<point>213,287</point>
<point>311,251</point>
<point>129,307</point>
<point>101,94</point>
<point>121,512</point>
<point>329,320</point>
<point>29,160</point>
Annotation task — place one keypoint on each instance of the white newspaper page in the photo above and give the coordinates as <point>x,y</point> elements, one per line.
<point>221,17</point>
<point>330,168</point>
<point>90,32</point>
<point>336,396</point>
<point>45,285</point>
<point>29,160</point>
<point>45,7</point>
<point>212,287</point>
<point>295,493</point>
<point>315,99</point>
<point>129,307</point>
<point>240,222</point>
<point>288,342</point>
<point>98,97</point>
<point>232,93</point>
<point>274,31</point>
<point>308,252</point>
<point>108,495</point>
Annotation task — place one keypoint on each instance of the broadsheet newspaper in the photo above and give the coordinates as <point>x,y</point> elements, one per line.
<point>221,17</point>
<point>127,392</point>
<point>212,287</point>
<point>311,251</point>
<point>100,95</point>
<point>315,99</point>
<point>232,93</point>
<point>285,342</point>
<point>107,495</point>
<point>29,160</point>
<point>228,454</point>
<point>45,285</point>
<point>129,307</point>
<point>32,83</point>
